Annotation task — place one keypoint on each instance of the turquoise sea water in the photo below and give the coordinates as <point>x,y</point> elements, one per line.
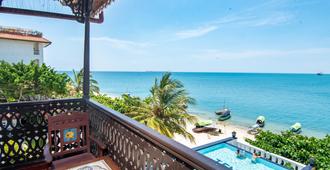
<point>282,98</point>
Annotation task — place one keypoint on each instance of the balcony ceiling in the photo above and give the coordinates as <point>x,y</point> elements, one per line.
<point>56,7</point>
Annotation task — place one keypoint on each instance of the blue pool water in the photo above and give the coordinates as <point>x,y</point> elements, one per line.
<point>282,98</point>
<point>227,153</point>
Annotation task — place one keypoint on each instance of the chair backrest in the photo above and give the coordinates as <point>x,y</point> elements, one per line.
<point>68,134</point>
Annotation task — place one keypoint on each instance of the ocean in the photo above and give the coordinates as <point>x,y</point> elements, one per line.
<point>282,98</point>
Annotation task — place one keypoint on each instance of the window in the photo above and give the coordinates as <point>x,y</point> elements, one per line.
<point>36,50</point>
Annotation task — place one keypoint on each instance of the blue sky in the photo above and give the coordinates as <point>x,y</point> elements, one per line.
<point>194,35</point>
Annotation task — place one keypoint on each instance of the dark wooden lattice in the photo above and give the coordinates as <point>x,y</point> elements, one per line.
<point>23,128</point>
<point>78,8</point>
<point>128,149</point>
<point>23,135</point>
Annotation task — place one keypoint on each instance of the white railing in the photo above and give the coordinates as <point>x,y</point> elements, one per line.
<point>268,155</point>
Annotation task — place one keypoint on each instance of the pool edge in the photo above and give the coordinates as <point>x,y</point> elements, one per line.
<point>213,143</point>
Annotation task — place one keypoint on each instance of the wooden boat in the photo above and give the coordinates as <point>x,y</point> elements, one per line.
<point>224,117</point>
<point>224,114</point>
<point>222,111</point>
<point>261,121</point>
<point>203,123</point>
<point>204,129</point>
<point>204,126</point>
<point>296,128</point>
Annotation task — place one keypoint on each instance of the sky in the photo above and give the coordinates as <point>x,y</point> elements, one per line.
<point>281,36</point>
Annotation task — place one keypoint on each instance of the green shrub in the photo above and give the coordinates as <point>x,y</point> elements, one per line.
<point>288,166</point>
<point>30,81</point>
<point>123,104</point>
<point>296,147</point>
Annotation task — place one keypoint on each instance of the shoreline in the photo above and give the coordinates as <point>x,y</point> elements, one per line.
<point>241,123</point>
<point>275,127</point>
<point>227,127</point>
<point>203,138</point>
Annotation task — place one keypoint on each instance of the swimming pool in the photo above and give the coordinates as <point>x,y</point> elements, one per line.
<point>226,154</point>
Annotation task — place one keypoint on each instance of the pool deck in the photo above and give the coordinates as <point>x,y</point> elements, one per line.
<point>214,143</point>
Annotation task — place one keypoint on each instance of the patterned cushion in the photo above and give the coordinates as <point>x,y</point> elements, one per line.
<point>70,134</point>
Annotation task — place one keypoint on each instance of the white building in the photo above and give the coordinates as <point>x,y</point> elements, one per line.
<point>18,44</point>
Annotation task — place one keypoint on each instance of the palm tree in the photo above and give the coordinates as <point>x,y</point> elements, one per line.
<point>77,84</point>
<point>165,110</point>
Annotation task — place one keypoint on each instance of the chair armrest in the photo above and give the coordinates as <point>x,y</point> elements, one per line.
<point>47,155</point>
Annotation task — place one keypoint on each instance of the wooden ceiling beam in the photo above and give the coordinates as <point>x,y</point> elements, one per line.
<point>28,12</point>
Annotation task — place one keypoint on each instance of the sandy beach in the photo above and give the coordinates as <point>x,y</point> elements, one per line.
<point>203,138</point>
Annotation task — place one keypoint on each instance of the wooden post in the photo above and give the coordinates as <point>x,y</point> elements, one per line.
<point>86,80</point>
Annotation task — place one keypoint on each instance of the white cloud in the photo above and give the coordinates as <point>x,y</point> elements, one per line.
<point>191,33</point>
<point>122,44</point>
<point>232,19</point>
<point>272,20</point>
<point>268,16</point>
<point>255,20</point>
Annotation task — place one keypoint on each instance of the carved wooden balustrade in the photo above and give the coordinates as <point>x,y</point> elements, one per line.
<point>23,128</point>
<point>23,135</point>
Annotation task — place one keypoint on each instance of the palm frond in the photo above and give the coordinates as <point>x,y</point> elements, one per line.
<point>166,109</point>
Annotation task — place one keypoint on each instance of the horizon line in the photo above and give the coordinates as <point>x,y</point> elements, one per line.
<point>163,71</point>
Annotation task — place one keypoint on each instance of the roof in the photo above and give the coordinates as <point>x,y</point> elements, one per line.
<point>99,5</point>
<point>22,35</point>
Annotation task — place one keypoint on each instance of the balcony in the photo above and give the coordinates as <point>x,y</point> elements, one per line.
<point>131,145</point>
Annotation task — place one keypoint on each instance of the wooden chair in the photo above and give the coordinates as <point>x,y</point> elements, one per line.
<point>69,140</point>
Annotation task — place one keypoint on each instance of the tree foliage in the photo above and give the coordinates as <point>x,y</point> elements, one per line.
<point>31,81</point>
<point>76,84</point>
<point>123,104</point>
<point>165,110</point>
<point>296,147</point>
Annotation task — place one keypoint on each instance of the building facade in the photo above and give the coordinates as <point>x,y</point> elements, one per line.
<point>18,44</point>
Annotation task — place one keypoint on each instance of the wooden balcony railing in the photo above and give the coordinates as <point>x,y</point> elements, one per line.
<point>23,135</point>
<point>23,129</point>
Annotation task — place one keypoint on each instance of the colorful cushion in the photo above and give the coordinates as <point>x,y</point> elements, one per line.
<point>70,134</point>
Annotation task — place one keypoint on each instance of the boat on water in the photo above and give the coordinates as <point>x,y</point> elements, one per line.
<point>296,128</point>
<point>319,73</point>
<point>222,111</point>
<point>224,114</point>
<point>261,121</point>
<point>204,126</point>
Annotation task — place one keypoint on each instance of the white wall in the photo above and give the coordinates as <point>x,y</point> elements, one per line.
<point>14,51</point>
